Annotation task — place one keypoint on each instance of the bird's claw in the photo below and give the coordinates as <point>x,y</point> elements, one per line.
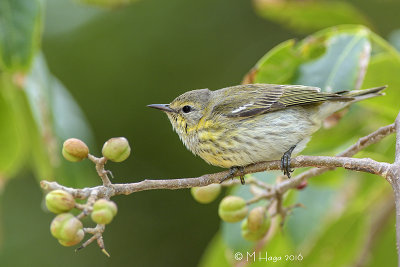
<point>285,162</point>
<point>232,171</point>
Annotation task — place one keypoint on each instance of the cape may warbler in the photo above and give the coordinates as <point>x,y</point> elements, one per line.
<point>239,125</point>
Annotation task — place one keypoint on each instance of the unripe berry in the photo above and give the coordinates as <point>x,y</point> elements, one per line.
<point>116,149</point>
<point>206,194</point>
<point>255,235</point>
<point>67,229</point>
<point>256,218</point>
<point>75,150</point>
<point>59,201</point>
<point>103,211</point>
<point>232,209</point>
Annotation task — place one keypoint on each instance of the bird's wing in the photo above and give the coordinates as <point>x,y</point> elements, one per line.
<point>254,99</point>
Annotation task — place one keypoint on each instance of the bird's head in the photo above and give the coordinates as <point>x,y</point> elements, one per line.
<point>186,110</point>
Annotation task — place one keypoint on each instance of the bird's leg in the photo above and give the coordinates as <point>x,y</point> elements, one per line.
<point>241,169</point>
<point>232,171</point>
<point>285,162</point>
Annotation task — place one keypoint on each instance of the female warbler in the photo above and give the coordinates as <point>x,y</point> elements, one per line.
<point>239,125</point>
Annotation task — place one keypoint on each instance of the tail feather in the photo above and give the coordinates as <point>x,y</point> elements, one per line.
<point>359,95</point>
<point>348,97</point>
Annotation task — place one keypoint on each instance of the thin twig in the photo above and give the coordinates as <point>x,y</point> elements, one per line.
<point>100,162</point>
<point>370,139</point>
<point>362,143</point>
<point>258,198</point>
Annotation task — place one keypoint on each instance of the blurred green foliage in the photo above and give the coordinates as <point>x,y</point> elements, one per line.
<point>310,15</point>
<point>115,61</point>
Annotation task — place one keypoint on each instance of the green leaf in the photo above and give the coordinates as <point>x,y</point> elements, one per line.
<point>280,246</point>
<point>384,248</point>
<point>215,254</point>
<point>13,132</point>
<point>384,69</point>
<point>343,239</point>
<point>343,65</point>
<point>334,60</point>
<point>394,39</point>
<point>20,32</point>
<point>279,65</point>
<point>347,222</point>
<point>57,117</point>
<point>308,16</point>
<point>305,223</point>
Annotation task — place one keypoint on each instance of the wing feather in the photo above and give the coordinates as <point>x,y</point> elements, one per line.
<point>254,99</point>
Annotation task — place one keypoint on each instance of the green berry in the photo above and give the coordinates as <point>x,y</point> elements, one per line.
<point>103,211</point>
<point>256,218</point>
<point>116,149</point>
<point>59,201</point>
<point>206,194</point>
<point>250,235</point>
<point>75,150</point>
<point>67,229</point>
<point>232,209</point>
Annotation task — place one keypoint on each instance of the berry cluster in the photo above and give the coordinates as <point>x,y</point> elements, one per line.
<point>67,228</point>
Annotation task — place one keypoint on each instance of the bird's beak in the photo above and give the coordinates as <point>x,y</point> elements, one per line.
<point>163,107</point>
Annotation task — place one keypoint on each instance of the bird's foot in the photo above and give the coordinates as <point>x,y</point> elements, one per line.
<point>232,171</point>
<point>285,162</point>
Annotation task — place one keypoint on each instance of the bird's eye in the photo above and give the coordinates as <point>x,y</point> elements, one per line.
<point>186,109</point>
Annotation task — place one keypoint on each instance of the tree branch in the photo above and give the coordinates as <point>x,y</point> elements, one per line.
<point>397,128</point>
<point>394,176</point>
<point>364,165</point>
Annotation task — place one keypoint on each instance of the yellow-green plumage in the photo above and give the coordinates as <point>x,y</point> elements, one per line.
<point>244,124</point>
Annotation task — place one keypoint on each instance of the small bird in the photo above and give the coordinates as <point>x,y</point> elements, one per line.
<point>244,124</point>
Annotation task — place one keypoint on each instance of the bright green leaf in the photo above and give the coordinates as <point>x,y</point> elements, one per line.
<point>384,69</point>
<point>279,65</point>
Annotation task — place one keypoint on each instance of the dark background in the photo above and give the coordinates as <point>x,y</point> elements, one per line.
<point>114,65</point>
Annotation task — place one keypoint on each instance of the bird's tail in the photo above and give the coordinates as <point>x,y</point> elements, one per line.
<point>348,97</point>
<point>359,95</point>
